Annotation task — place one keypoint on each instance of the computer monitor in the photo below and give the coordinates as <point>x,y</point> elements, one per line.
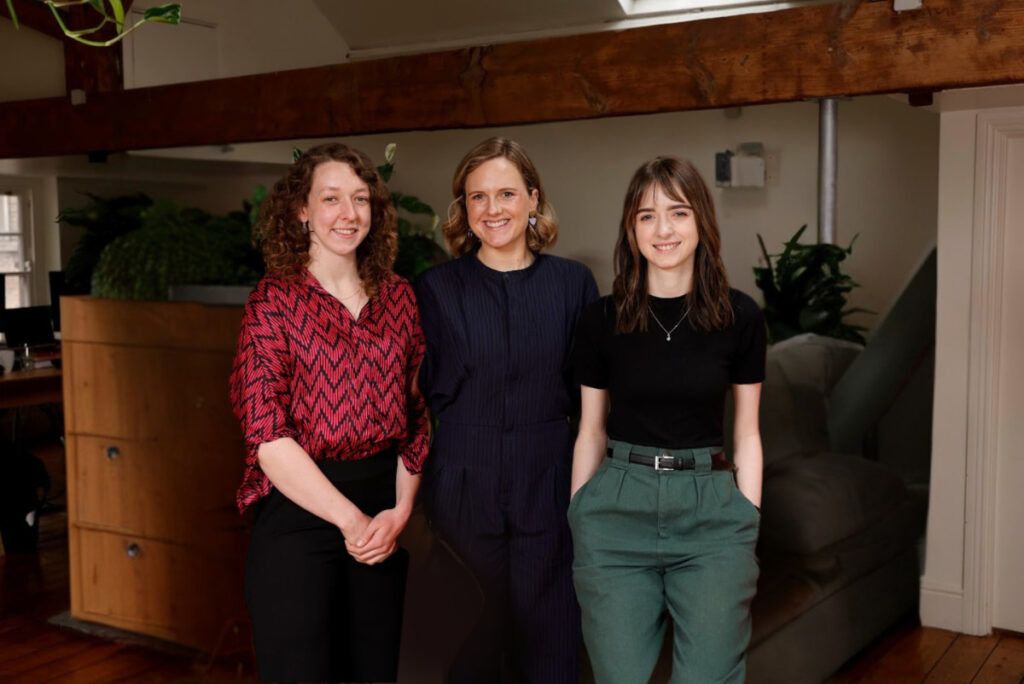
<point>58,288</point>
<point>28,325</point>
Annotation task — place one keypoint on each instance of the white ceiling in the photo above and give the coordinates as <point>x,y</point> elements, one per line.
<point>389,27</point>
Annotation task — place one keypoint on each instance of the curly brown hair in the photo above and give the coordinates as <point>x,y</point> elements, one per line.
<point>285,241</point>
<point>461,240</point>
<point>710,303</point>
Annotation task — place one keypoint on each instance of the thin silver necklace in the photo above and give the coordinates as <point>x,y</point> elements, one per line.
<point>668,333</point>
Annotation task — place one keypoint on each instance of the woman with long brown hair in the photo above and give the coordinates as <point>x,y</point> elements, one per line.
<point>324,385</point>
<point>662,520</point>
<point>499,321</point>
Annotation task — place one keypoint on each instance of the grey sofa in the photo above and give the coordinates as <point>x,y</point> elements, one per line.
<point>846,434</point>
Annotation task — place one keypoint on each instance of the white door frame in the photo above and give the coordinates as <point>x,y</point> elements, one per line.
<point>996,129</point>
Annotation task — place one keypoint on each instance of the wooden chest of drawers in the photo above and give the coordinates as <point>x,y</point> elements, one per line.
<point>154,456</point>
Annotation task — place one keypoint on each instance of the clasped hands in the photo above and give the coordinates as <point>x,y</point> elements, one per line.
<point>372,540</point>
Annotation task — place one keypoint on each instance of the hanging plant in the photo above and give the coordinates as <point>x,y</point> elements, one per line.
<point>805,290</point>
<point>111,13</point>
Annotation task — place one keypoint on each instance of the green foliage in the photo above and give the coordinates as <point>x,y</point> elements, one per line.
<point>176,246</point>
<point>417,223</point>
<point>103,221</point>
<point>114,14</point>
<point>805,290</point>
<point>133,247</point>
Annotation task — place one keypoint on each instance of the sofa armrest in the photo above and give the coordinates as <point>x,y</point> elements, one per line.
<point>812,501</point>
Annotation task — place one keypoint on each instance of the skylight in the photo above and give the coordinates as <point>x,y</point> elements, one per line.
<point>636,9</point>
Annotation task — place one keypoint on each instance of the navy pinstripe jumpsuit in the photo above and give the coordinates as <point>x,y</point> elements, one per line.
<point>496,376</point>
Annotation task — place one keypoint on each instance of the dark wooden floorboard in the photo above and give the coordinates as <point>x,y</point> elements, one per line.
<point>34,588</point>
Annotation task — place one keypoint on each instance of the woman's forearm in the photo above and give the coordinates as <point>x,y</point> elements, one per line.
<point>747,440</point>
<point>296,475</point>
<point>406,486</point>
<point>592,440</point>
<point>749,467</point>
<point>587,455</point>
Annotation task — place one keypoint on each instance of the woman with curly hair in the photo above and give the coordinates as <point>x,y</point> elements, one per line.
<point>663,523</point>
<point>324,385</point>
<point>499,321</point>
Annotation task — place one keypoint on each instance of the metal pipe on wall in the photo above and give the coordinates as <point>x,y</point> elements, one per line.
<point>828,163</point>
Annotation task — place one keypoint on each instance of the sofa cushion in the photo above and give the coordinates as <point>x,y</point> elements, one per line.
<point>812,501</point>
<point>799,373</point>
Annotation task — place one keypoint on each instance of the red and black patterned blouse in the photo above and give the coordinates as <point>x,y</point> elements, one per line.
<point>343,389</point>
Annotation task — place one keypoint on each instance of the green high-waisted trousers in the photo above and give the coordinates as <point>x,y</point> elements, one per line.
<point>653,544</point>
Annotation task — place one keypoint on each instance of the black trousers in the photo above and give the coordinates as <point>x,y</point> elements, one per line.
<point>317,614</point>
<point>505,519</point>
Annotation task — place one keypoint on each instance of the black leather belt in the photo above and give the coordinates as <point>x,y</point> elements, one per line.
<point>667,461</point>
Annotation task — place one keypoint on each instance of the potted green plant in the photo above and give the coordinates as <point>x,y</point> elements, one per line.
<point>805,290</point>
<point>136,248</point>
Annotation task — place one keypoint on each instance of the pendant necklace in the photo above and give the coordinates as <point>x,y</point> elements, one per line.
<point>668,333</point>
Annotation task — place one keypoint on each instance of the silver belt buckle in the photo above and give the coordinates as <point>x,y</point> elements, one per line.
<point>664,457</point>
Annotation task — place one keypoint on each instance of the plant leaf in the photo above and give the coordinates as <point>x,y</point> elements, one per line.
<point>98,6</point>
<point>118,8</point>
<point>411,204</point>
<point>14,15</point>
<point>168,14</point>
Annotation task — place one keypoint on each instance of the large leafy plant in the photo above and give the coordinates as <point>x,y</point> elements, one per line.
<point>109,13</point>
<point>134,247</point>
<point>176,246</point>
<point>103,220</point>
<point>805,290</point>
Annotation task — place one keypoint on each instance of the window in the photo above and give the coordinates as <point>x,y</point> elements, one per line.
<point>707,8</point>
<point>15,248</point>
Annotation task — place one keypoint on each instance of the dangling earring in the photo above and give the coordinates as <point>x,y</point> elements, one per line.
<point>533,219</point>
<point>305,224</point>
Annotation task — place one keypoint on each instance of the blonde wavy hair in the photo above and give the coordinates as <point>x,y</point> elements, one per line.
<point>457,234</point>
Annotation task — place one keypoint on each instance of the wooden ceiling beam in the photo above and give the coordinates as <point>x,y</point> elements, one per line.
<point>92,69</point>
<point>853,48</point>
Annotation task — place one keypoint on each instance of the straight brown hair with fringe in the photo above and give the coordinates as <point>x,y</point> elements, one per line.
<point>709,302</point>
<point>285,242</point>
<point>460,239</point>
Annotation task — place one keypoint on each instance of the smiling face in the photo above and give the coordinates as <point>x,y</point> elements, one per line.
<point>666,230</point>
<point>498,205</point>
<point>338,212</point>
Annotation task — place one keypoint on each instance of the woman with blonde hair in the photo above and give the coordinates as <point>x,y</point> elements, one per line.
<point>499,321</point>
<point>663,522</point>
<point>324,385</point>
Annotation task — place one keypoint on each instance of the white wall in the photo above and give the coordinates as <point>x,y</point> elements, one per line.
<point>942,583</point>
<point>224,38</point>
<point>888,156</point>
<point>31,64</point>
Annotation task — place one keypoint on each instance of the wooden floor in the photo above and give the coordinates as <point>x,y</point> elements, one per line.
<point>911,653</point>
<point>34,588</point>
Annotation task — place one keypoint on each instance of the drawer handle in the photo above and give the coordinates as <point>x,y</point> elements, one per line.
<point>113,452</point>
<point>133,550</point>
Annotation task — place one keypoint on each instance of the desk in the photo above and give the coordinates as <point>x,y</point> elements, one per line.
<point>30,387</point>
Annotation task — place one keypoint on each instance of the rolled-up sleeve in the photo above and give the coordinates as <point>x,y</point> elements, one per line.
<point>413,450</point>
<point>260,382</point>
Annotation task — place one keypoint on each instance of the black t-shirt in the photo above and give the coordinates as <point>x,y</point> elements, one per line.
<point>669,393</point>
